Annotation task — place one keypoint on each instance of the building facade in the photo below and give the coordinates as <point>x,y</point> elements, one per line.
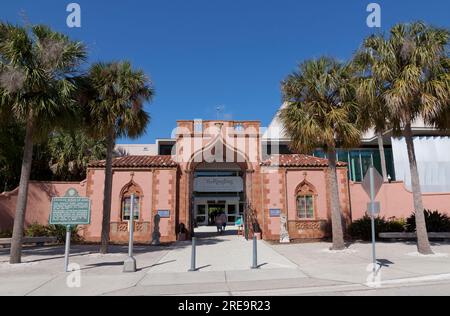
<point>216,166</point>
<point>239,169</point>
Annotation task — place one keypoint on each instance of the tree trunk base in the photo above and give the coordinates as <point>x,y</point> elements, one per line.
<point>426,250</point>
<point>104,250</point>
<point>338,248</point>
<point>14,261</point>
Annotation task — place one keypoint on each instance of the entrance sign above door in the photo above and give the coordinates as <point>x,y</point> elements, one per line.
<point>218,184</point>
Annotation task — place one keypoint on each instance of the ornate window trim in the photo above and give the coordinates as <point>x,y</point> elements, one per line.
<point>126,192</point>
<point>303,190</point>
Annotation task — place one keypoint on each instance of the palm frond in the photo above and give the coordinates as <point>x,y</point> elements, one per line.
<point>319,98</point>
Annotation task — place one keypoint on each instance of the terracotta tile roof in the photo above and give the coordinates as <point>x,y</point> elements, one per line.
<point>138,162</point>
<point>297,160</point>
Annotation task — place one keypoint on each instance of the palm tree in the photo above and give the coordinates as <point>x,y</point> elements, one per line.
<point>321,112</point>
<point>37,66</point>
<point>71,151</point>
<point>115,95</point>
<point>411,66</point>
<point>373,110</point>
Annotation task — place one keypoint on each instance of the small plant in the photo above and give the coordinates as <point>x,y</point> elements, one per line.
<point>436,222</point>
<point>362,228</point>
<point>256,228</point>
<point>37,230</point>
<point>395,225</point>
<point>6,234</point>
<point>58,231</point>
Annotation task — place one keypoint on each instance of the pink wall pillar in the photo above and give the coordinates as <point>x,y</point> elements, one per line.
<point>95,187</point>
<point>165,192</point>
<point>274,198</point>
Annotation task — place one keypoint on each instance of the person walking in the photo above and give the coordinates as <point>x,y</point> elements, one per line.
<point>223,220</point>
<point>219,223</point>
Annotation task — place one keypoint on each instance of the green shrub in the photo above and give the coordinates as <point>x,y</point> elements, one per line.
<point>436,222</point>
<point>37,230</point>
<point>395,225</point>
<point>58,231</point>
<point>362,228</point>
<point>6,234</point>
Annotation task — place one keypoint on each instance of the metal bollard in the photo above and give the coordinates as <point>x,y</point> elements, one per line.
<point>255,253</point>
<point>193,255</point>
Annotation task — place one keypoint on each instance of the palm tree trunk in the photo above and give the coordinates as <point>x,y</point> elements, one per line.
<point>382,156</point>
<point>336,215</point>
<point>107,193</point>
<point>423,244</point>
<point>21,205</point>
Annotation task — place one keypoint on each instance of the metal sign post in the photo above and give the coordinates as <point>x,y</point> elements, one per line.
<point>67,252</point>
<point>372,184</point>
<point>372,200</point>
<point>130,263</point>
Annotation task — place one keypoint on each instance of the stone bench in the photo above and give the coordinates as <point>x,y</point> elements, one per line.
<point>413,236</point>
<point>38,241</point>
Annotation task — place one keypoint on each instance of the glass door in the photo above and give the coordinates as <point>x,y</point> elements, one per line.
<point>201,215</point>
<point>232,213</point>
<point>215,210</point>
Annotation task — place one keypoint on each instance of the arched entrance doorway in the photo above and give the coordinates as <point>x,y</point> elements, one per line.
<point>217,187</point>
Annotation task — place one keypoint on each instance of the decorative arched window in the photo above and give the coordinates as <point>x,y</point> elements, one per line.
<point>130,189</point>
<point>306,201</point>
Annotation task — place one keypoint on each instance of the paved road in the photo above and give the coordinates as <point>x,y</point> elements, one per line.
<point>294,269</point>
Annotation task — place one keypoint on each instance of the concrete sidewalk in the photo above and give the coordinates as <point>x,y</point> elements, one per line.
<point>398,261</point>
<point>221,253</point>
<point>224,261</point>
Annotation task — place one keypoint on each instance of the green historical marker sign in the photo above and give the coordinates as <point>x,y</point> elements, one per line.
<point>70,209</point>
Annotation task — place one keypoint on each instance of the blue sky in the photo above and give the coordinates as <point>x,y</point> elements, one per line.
<point>204,53</point>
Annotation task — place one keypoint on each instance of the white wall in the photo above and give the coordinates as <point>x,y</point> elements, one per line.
<point>138,150</point>
<point>433,160</point>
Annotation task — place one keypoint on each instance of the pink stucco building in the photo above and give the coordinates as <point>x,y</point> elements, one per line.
<point>214,167</point>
